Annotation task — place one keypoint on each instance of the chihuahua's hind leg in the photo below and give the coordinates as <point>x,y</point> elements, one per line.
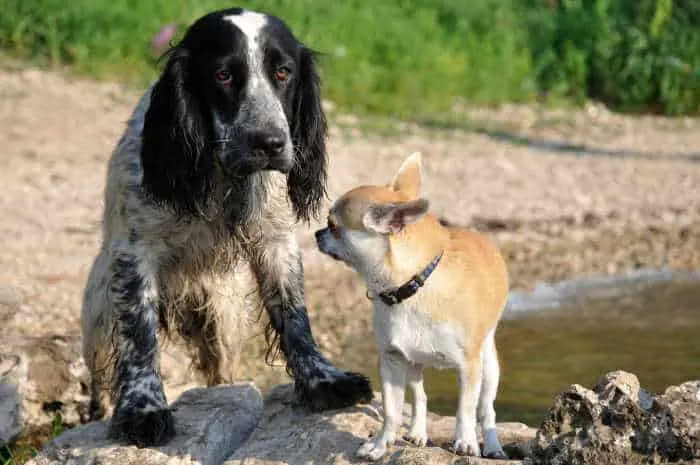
<point>469,375</point>
<point>489,387</point>
<point>418,432</point>
<point>393,373</point>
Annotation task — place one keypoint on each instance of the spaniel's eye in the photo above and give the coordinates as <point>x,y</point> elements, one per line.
<point>224,76</point>
<point>282,74</point>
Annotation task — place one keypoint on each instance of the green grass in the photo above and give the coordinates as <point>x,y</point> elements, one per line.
<point>397,58</point>
<point>27,446</point>
<point>410,58</point>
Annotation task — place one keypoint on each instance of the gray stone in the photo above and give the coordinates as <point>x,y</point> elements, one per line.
<point>10,413</point>
<point>616,422</point>
<point>674,424</point>
<point>619,422</point>
<point>291,436</point>
<point>210,422</point>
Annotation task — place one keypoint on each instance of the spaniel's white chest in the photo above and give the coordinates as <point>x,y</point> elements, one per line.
<point>417,337</point>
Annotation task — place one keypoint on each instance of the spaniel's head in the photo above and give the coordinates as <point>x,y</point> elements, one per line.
<point>239,94</point>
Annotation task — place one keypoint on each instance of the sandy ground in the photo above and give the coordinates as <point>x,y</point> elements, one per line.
<point>565,193</point>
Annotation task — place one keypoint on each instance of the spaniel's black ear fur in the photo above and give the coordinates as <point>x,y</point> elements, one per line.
<point>174,137</point>
<point>307,181</point>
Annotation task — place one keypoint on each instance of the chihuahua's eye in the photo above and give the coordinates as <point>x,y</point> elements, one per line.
<point>282,73</point>
<point>333,228</point>
<point>224,76</point>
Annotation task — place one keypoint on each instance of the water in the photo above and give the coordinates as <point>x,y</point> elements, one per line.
<point>646,322</point>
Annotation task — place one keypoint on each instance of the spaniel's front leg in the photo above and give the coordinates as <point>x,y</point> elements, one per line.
<point>319,384</point>
<point>140,415</point>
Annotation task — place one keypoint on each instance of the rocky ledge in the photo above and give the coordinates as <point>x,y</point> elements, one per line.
<point>615,422</point>
<point>618,422</point>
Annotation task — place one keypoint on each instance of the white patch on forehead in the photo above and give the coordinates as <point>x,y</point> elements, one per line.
<point>262,102</point>
<point>250,23</point>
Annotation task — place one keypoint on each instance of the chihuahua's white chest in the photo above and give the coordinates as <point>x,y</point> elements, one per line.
<point>417,337</point>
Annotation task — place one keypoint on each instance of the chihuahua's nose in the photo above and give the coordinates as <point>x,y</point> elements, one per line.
<point>319,234</point>
<point>269,141</point>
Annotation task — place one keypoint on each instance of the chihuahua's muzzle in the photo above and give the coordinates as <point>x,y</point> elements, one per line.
<point>325,242</point>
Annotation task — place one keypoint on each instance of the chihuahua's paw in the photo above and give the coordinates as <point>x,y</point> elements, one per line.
<point>466,447</point>
<point>372,450</point>
<point>496,455</point>
<point>492,447</point>
<point>417,438</point>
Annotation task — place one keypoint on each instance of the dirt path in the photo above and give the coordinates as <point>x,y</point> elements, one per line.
<point>565,193</point>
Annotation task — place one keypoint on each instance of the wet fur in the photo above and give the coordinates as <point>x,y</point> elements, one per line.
<point>189,250</point>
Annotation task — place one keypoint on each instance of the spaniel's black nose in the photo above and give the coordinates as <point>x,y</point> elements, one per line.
<point>269,141</point>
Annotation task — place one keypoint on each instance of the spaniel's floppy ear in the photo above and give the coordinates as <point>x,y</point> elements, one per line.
<point>174,136</point>
<point>306,183</point>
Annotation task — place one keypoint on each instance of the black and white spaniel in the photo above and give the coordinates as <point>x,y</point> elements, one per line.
<point>219,160</point>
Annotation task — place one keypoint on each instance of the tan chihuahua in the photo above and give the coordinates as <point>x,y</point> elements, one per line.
<point>438,295</point>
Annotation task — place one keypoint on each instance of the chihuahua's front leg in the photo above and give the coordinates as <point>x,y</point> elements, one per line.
<point>418,432</point>
<point>393,373</point>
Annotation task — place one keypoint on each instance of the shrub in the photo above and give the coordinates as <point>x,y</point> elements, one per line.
<point>411,58</point>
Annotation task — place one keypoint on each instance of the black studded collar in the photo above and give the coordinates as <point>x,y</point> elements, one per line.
<point>397,295</point>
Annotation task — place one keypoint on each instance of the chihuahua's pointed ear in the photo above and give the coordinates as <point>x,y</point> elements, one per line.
<point>408,178</point>
<point>390,218</point>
